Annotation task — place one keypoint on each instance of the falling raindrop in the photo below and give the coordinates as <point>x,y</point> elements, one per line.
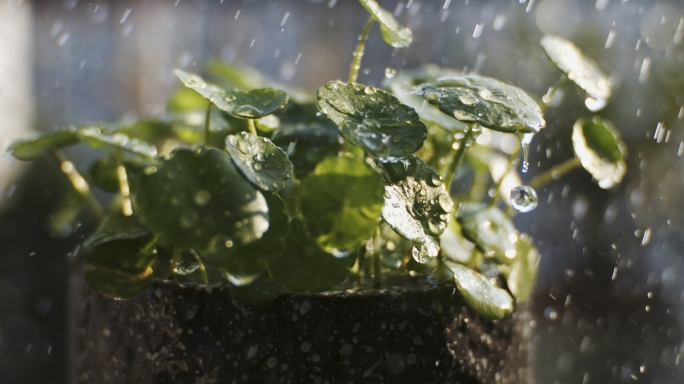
<point>524,198</point>
<point>390,72</point>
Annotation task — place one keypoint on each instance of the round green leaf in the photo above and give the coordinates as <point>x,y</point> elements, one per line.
<point>341,201</point>
<point>261,161</point>
<point>485,101</point>
<point>120,257</point>
<point>372,119</point>
<point>416,205</point>
<point>523,272</point>
<point>303,266</point>
<point>490,229</point>
<point>403,84</point>
<point>598,146</point>
<point>254,104</point>
<point>192,196</point>
<point>579,68</point>
<point>480,294</point>
<point>307,135</point>
<point>393,33</point>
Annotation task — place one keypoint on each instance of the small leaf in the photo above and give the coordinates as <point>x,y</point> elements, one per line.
<point>579,68</point>
<point>454,245</point>
<point>598,146</point>
<point>485,101</point>
<point>372,119</point>
<point>303,266</point>
<point>33,147</point>
<point>120,258</point>
<point>403,84</point>
<point>192,197</point>
<point>480,294</point>
<point>262,162</point>
<point>523,272</point>
<point>307,136</point>
<point>416,205</point>
<point>254,104</point>
<point>393,33</point>
<point>342,201</point>
<point>490,229</point>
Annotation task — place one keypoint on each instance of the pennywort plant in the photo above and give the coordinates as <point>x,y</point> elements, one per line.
<point>279,190</point>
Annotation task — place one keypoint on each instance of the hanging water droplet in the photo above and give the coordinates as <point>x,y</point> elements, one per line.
<point>445,203</point>
<point>259,157</point>
<point>436,180</point>
<point>257,167</point>
<point>525,144</point>
<point>243,146</point>
<point>390,72</point>
<point>524,198</point>
<point>423,252</point>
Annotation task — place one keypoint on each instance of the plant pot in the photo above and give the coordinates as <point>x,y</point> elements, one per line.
<point>421,332</point>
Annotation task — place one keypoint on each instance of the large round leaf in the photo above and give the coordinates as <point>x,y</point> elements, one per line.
<point>261,161</point>
<point>307,135</point>
<point>480,294</point>
<point>416,205</point>
<point>598,147</point>
<point>254,104</point>
<point>490,229</point>
<point>341,201</point>
<point>192,196</point>
<point>403,84</point>
<point>303,266</point>
<point>579,68</point>
<point>120,257</point>
<point>393,33</point>
<point>372,119</point>
<point>485,101</point>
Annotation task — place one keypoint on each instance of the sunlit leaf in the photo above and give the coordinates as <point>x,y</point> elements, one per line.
<point>372,119</point>
<point>341,202</point>
<point>33,147</point>
<point>393,33</point>
<point>522,274</point>
<point>454,245</point>
<point>303,266</point>
<point>579,68</point>
<point>192,196</point>
<point>120,257</point>
<point>480,294</point>
<point>307,135</point>
<point>485,101</point>
<point>416,205</point>
<point>261,161</point>
<point>253,104</point>
<point>598,146</point>
<point>490,229</point>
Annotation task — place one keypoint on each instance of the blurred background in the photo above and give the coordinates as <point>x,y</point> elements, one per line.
<point>609,301</point>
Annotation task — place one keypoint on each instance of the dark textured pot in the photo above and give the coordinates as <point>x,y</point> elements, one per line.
<point>420,333</point>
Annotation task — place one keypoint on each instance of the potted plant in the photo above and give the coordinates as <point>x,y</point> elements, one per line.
<point>263,234</point>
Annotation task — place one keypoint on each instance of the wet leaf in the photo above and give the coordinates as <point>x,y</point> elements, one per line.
<point>490,229</point>
<point>254,104</point>
<point>523,272</point>
<point>341,202</point>
<point>454,245</point>
<point>416,205</point>
<point>579,68</point>
<point>485,101</point>
<point>303,266</point>
<point>120,257</point>
<point>307,135</point>
<point>33,147</point>
<point>403,84</point>
<point>191,197</point>
<point>261,161</point>
<point>480,294</point>
<point>598,146</point>
<point>393,33</point>
<point>372,119</point>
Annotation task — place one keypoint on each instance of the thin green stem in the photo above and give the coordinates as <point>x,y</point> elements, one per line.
<point>458,157</point>
<point>552,91</point>
<point>203,270</point>
<point>251,127</point>
<point>79,184</point>
<point>207,131</point>
<point>124,188</point>
<point>358,53</point>
<point>497,186</point>
<point>175,259</point>
<point>554,173</point>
